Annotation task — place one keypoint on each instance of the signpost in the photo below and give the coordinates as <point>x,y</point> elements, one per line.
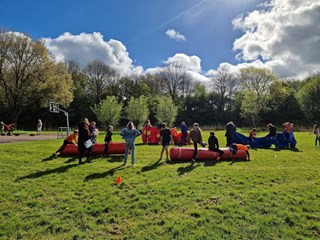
<point>54,108</point>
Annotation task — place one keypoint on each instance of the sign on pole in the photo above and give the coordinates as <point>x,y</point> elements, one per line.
<point>54,107</point>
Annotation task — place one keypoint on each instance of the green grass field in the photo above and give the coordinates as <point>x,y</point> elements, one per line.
<point>276,195</point>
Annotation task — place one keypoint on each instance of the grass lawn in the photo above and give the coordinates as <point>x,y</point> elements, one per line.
<point>276,195</point>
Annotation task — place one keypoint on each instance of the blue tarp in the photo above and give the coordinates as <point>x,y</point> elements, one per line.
<point>280,140</point>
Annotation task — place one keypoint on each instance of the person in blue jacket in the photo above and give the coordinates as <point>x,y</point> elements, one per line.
<point>184,131</point>
<point>129,134</point>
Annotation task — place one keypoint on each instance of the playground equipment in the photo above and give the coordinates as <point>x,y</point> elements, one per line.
<point>114,148</point>
<point>280,140</point>
<point>151,135</point>
<point>185,154</point>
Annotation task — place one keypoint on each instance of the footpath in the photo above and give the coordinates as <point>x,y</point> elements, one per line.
<point>26,137</point>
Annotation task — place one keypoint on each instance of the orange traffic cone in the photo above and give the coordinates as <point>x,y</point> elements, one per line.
<point>118,181</point>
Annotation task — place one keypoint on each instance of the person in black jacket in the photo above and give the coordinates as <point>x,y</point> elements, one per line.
<point>230,129</point>
<point>84,135</point>
<point>107,139</point>
<point>214,145</point>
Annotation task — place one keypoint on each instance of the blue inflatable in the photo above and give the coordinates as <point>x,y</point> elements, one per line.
<point>280,140</point>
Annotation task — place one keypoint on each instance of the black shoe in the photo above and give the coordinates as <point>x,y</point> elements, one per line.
<point>80,161</point>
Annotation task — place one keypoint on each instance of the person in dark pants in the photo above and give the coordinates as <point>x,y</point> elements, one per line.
<point>214,145</point>
<point>84,135</point>
<point>107,139</point>
<point>196,137</point>
<point>184,131</point>
<point>230,129</point>
<point>165,140</point>
<point>71,139</point>
<point>272,130</point>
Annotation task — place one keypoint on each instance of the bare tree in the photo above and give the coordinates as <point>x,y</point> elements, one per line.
<point>100,77</point>
<point>176,80</point>
<point>225,83</point>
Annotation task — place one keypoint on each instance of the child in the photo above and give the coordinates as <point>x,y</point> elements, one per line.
<point>214,145</point>
<point>184,131</point>
<point>129,134</point>
<point>196,137</point>
<point>317,133</point>
<point>165,140</point>
<point>107,139</point>
<point>235,147</point>
<point>252,134</point>
<point>230,129</point>
<point>93,138</point>
<point>71,139</point>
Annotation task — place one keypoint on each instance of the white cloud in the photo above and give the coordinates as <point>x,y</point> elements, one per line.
<point>86,47</point>
<point>192,65</point>
<point>173,34</point>
<point>285,36</point>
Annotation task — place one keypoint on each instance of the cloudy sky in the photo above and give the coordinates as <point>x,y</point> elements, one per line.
<point>203,35</point>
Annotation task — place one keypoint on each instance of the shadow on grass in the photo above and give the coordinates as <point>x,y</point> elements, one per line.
<point>115,159</point>
<point>153,166</point>
<point>48,158</point>
<point>104,174</point>
<point>47,172</point>
<point>73,159</point>
<point>191,167</point>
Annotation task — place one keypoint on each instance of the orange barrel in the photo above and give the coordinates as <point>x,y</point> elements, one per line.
<point>114,148</point>
<point>185,154</point>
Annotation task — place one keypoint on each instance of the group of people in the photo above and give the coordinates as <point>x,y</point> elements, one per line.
<point>9,128</point>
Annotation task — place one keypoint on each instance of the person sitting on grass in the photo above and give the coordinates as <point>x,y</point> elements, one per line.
<point>71,139</point>
<point>165,140</point>
<point>214,145</point>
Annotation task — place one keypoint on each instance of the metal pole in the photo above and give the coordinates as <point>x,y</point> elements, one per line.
<point>68,130</point>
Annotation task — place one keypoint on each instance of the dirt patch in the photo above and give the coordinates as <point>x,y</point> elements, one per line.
<point>26,137</point>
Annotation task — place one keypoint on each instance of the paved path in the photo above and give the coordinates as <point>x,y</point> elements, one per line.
<point>26,137</point>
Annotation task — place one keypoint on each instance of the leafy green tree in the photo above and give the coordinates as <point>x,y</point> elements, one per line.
<point>137,110</point>
<point>100,78</point>
<point>255,82</point>
<point>249,108</point>
<point>29,76</point>
<point>108,111</point>
<point>166,111</point>
<point>309,99</point>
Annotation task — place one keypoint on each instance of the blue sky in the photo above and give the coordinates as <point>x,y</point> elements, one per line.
<point>149,32</point>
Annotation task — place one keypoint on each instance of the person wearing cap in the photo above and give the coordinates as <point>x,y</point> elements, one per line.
<point>71,139</point>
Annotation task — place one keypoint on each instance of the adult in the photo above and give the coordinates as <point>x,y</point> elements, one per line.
<point>230,129</point>
<point>84,136</point>
<point>196,137</point>
<point>165,140</point>
<point>184,131</point>
<point>39,127</point>
<point>129,134</point>
<point>71,139</point>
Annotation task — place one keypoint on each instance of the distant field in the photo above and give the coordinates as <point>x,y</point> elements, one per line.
<point>276,195</point>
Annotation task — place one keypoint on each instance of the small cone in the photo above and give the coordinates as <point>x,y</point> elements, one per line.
<point>118,181</point>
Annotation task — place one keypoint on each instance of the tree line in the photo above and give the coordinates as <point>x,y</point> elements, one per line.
<point>30,78</point>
